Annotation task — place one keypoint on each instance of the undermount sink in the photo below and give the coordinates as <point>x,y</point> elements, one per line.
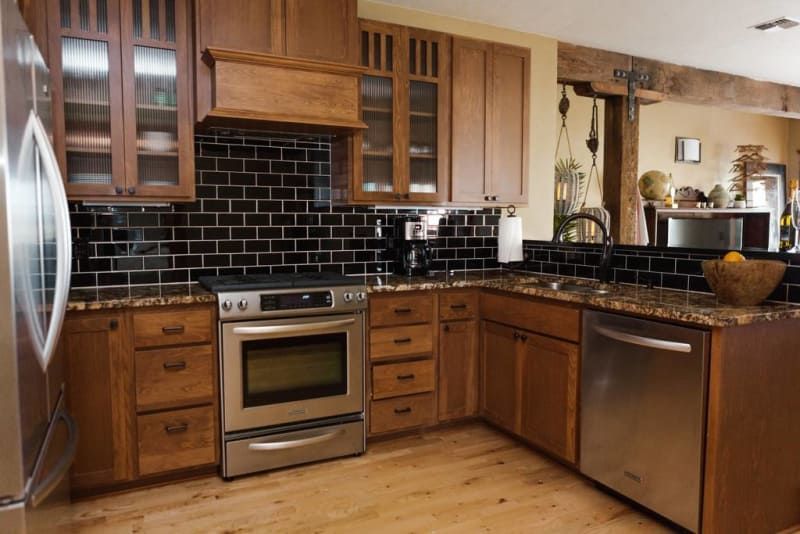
<point>570,288</point>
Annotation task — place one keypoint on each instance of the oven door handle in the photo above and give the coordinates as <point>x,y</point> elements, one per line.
<point>294,443</point>
<point>290,328</point>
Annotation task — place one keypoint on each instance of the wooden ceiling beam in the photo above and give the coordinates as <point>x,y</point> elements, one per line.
<point>580,64</point>
<point>607,89</point>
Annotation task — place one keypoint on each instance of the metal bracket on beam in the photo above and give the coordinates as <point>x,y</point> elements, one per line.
<point>633,77</point>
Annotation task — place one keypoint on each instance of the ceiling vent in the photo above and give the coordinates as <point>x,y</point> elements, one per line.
<point>782,23</point>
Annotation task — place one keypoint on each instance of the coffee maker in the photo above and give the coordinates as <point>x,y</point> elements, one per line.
<point>413,252</point>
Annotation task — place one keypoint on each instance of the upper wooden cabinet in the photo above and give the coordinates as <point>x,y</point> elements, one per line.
<point>35,14</point>
<point>122,99</point>
<point>491,87</point>
<point>309,46</point>
<point>403,156</point>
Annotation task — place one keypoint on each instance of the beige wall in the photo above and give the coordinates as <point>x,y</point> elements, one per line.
<point>538,216</point>
<point>579,119</point>
<point>719,131</point>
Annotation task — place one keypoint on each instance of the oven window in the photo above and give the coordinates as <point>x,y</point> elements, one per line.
<point>294,368</point>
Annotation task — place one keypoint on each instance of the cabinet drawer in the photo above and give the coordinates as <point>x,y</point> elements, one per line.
<point>414,340</point>
<point>403,412</point>
<point>170,378</point>
<point>556,320</point>
<point>395,379</point>
<point>175,327</point>
<point>176,440</point>
<point>454,305</point>
<point>400,310</point>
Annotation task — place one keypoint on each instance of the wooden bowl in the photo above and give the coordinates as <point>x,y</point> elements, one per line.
<point>745,283</point>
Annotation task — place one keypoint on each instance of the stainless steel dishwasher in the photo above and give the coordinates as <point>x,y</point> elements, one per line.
<point>643,405</point>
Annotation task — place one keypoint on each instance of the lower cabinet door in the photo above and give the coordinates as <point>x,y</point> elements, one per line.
<point>177,439</point>
<point>499,375</point>
<point>550,394</point>
<point>458,370</point>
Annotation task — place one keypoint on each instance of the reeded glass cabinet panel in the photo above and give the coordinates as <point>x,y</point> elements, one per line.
<point>155,75</point>
<point>378,140</point>
<point>87,111</point>
<point>423,106</point>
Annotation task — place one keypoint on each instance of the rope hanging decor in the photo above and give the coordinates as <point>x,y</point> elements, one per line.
<point>587,231</point>
<point>568,177</point>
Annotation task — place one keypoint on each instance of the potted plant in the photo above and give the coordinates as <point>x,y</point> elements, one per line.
<point>739,201</point>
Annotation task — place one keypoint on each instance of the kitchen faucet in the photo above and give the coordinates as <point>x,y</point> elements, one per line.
<point>604,268</point>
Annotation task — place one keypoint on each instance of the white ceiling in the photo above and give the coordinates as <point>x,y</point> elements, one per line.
<point>709,34</point>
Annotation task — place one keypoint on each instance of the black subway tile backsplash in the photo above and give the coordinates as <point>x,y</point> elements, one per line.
<point>659,267</point>
<point>262,206</point>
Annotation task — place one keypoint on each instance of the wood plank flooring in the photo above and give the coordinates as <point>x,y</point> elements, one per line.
<point>468,478</point>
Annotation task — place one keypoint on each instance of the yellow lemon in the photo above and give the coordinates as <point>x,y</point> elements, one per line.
<point>733,257</point>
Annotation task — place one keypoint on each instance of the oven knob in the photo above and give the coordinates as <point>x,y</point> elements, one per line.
<point>243,304</point>
<point>347,297</point>
<point>361,296</point>
<point>227,305</point>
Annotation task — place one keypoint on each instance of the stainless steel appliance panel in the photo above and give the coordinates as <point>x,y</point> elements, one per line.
<point>643,405</point>
<point>295,341</point>
<point>293,447</point>
<point>705,233</point>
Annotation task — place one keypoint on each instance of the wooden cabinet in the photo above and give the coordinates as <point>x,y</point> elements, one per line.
<point>35,14</point>
<point>550,394</point>
<point>121,99</point>
<point>403,156</point>
<point>458,369</point>
<point>323,30</point>
<point>152,400</point>
<point>99,372</point>
<point>402,362</point>
<point>491,86</point>
<point>500,373</point>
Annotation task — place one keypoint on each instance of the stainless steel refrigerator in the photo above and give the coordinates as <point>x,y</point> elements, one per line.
<point>37,436</point>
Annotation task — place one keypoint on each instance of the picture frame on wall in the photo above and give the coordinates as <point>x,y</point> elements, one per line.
<point>688,150</point>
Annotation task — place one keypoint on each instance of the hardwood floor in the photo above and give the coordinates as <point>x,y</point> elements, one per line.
<point>468,478</point>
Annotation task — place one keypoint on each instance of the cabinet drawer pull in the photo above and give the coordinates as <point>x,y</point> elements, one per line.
<point>406,377</point>
<point>458,306</point>
<point>113,324</point>
<point>402,310</point>
<point>400,411</point>
<point>176,429</point>
<point>178,329</point>
<point>174,366</point>
<point>447,328</point>
<point>402,341</point>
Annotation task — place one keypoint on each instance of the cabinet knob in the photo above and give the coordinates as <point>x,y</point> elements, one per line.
<point>487,197</point>
<point>119,190</point>
<point>131,190</point>
<point>407,196</point>
<point>516,335</point>
<point>494,198</point>
<point>113,324</point>
<point>447,328</point>
<point>523,337</point>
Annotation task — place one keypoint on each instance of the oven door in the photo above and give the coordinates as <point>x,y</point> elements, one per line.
<point>286,370</point>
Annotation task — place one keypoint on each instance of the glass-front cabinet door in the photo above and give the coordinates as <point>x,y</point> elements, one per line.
<point>379,176</point>
<point>429,115</point>
<point>158,128</point>
<point>121,102</point>
<point>88,135</point>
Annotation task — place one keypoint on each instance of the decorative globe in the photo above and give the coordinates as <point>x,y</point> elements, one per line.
<point>654,185</point>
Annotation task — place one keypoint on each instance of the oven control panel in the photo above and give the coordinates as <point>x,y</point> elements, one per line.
<point>296,301</point>
<point>238,305</point>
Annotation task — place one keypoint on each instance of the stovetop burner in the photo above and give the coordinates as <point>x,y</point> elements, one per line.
<point>245,282</point>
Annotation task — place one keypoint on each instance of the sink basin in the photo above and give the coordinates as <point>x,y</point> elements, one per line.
<point>570,288</point>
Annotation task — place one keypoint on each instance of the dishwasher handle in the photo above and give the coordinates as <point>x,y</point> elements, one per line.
<point>642,341</point>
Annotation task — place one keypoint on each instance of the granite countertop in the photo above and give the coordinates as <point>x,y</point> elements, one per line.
<point>105,298</point>
<point>668,304</point>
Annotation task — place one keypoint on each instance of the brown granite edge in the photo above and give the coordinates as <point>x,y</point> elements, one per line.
<point>629,299</point>
<point>111,303</point>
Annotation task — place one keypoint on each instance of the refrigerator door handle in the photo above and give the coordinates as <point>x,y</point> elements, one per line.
<point>51,481</point>
<point>52,174</point>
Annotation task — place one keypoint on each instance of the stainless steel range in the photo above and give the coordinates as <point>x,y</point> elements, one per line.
<point>291,368</point>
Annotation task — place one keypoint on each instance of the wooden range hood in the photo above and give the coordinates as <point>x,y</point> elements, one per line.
<point>254,89</point>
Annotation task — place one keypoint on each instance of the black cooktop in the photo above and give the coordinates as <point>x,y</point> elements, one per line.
<point>249,282</point>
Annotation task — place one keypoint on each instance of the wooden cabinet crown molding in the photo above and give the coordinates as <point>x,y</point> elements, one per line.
<point>211,55</point>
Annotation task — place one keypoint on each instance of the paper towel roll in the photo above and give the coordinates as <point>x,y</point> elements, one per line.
<point>509,240</point>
